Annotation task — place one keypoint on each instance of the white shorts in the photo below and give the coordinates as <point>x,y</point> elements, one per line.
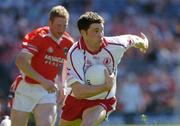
<point>27,96</point>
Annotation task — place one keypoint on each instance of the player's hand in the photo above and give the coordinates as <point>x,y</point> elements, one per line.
<point>143,44</point>
<point>109,80</point>
<point>49,86</point>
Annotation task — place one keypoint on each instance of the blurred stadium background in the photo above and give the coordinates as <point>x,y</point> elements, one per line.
<point>148,85</point>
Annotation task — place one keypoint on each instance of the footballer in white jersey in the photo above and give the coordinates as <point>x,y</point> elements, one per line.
<point>109,54</point>
<point>94,48</point>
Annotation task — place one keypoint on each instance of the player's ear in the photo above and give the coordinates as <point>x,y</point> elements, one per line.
<point>50,22</point>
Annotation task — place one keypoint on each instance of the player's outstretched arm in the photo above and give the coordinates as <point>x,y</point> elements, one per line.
<point>130,40</point>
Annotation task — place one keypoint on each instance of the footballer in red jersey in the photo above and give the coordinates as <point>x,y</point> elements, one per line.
<point>48,53</point>
<point>40,62</point>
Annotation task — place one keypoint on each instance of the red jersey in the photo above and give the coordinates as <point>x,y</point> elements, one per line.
<point>48,54</point>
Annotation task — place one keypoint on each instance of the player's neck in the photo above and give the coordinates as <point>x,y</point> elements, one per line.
<point>91,46</point>
<point>55,38</point>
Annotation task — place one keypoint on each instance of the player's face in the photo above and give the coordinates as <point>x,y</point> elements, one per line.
<point>94,35</point>
<point>58,26</point>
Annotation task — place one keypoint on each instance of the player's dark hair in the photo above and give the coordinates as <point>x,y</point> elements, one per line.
<point>87,19</point>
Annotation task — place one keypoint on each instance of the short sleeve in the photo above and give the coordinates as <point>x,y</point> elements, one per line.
<point>32,43</point>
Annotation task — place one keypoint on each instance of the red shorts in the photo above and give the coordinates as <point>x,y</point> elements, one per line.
<point>74,108</point>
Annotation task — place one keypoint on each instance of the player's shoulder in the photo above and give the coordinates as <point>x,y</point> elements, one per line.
<point>42,31</point>
<point>75,53</point>
<point>67,41</point>
<point>66,36</point>
<point>74,48</point>
<point>37,33</point>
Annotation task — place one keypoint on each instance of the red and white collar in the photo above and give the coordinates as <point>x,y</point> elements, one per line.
<point>82,45</point>
<point>55,39</point>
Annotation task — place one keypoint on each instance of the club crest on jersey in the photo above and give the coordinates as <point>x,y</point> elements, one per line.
<point>65,49</point>
<point>107,61</point>
<point>50,50</point>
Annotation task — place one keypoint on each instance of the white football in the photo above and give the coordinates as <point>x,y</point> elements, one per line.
<point>95,75</point>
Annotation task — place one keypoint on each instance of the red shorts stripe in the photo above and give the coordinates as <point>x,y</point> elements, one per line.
<point>73,108</point>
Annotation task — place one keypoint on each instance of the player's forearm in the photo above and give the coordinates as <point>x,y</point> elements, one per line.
<point>60,79</point>
<point>133,40</point>
<point>86,91</point>
<point>23,64</point>
<point>140,42</point>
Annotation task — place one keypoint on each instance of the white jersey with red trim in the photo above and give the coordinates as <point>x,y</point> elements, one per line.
<point>112,49</point>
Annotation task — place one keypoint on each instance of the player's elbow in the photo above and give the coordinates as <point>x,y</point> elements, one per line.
<point>19,60</point>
